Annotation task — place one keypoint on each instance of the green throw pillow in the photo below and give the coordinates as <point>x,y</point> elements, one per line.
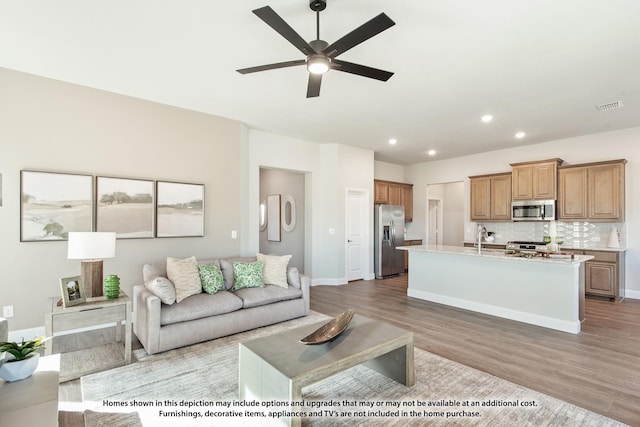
<point>247,275</point>
<point>211,278</point>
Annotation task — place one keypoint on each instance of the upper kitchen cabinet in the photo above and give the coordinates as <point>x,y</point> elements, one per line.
<point>394,193</point>
<point>535,180</point>
<point>491,197</point>
<point>592,191</point>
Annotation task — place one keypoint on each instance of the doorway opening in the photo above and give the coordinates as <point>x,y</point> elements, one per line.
<point>445,213</point>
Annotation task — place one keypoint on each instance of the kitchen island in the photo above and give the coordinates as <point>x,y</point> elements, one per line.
<point>547,292</point>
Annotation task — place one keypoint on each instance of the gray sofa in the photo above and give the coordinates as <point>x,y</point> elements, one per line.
<point>202,317</point>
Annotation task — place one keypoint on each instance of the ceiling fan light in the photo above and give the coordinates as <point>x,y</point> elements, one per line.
<point>318,64</point>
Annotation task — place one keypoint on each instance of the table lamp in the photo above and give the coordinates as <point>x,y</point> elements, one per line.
<point>91,248</point>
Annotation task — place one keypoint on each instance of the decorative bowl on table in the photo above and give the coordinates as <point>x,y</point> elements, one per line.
<point>331,329</point>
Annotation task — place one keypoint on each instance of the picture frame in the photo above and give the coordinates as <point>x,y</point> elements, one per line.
<point>125,206</point>
<point>273,218</point>
<point>52,204</point>
<point>179,209</point>
<point>72,290</point>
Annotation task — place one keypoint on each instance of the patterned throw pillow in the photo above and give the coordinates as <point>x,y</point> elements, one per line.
<point>247,275</point>
<point>183,273</point>
<point>211,278</point>
<point>275,269</point>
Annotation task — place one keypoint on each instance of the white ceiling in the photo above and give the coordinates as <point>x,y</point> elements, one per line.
<point>540,66</point>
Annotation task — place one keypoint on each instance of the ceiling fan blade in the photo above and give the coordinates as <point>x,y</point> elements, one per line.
<point>313,88</point>
<point>361,70</point>
<point>271,66</point>
<point>272,19</point>
<point>360,34</point>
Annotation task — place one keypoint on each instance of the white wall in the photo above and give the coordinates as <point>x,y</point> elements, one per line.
<point>623,144</point>
<point>388,171</point>
<point>330,169</point>
<point>49,125</point>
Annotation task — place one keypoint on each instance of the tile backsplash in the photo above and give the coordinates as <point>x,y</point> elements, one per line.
<point>579,234</point>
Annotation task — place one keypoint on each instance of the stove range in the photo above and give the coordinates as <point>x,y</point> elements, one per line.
<point>521,246</point>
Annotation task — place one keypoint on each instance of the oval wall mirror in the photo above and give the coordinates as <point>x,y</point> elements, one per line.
<point>289,213</point>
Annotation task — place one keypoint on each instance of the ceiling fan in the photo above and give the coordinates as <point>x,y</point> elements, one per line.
<point>320,55</point>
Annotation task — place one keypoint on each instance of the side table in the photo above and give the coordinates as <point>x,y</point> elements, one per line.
<point>34,400</point>
<point>96,312</point>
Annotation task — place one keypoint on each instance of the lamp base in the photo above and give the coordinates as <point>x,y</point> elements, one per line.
<point>92,278</point>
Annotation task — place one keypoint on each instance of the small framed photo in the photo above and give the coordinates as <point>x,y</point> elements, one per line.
<point>72,291</point>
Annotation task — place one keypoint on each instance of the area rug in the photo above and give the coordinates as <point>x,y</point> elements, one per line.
<point>197,386</point>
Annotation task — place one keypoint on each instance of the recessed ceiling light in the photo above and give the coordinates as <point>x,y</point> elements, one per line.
<point>393,141</point>
<point>431,152</point>
<point>520,135</point>
<point>486,118</point>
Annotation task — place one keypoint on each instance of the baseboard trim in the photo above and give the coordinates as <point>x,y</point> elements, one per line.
<point>632,294</point>
<point>26,334</point>
<point>330,282</point>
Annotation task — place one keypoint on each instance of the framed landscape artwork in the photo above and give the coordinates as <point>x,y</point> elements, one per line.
<point>180,209</point>
<point>125,206</point>
<point>53,204</point>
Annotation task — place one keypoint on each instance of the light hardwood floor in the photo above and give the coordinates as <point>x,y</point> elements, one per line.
<point>598,369</point>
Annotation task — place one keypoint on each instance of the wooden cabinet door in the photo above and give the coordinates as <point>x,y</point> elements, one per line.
<point>600,278</point>
<point>380,192</point>
<point>606,192</point>
<point>480,199</point>
<point>395,194</point>
<point>572,203</point>
<point>500,200</point>
<point>407,201</point>
<point>544,181</point>
<point>522,182</point>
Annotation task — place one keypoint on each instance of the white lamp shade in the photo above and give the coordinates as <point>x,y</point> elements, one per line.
<point>91,245</point>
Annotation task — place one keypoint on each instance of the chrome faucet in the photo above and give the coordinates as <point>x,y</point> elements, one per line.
<point>482,231</point>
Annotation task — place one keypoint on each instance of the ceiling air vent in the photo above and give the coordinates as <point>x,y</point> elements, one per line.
<point>609,106</point>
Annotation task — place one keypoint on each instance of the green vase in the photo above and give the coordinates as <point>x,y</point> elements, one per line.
<point>112,286</point>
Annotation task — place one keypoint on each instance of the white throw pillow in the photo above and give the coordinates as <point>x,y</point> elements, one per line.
<point>162,288</point>
<point>275,269</point>
<point>185,276</point>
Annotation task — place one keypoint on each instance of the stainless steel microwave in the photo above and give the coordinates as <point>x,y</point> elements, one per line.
<point>533,210</point>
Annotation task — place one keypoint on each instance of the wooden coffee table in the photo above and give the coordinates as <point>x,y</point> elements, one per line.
<point>278,366</point>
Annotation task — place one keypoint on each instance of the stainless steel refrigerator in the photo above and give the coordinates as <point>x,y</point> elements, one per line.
<point>388,235</point>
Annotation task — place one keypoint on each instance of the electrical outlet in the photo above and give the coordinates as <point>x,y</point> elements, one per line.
<point>7,311</point>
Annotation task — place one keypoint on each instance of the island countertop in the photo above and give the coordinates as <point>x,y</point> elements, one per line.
<point>497,253</point>
<point>546,292</point>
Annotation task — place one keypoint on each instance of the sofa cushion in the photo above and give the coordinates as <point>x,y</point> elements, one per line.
<point>275,269</point>
<point>185,277</point>
<point>226,265</point>
<point>253,297</point>
<point>211,278</point>
<point>162,288</point>
<point>247,275</point>
<point>199,306</point>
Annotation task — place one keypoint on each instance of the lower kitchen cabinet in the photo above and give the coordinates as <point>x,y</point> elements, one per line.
<point>604,274</point>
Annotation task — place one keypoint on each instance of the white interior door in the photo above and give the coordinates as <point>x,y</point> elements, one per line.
<point>356,206</point>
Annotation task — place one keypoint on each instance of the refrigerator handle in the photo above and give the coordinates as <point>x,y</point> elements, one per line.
<point>392,238</point>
